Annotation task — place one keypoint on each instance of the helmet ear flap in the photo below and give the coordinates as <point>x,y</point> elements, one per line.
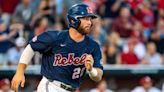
<point>73,22</point>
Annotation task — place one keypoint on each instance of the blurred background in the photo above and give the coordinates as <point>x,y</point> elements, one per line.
<point>130,33</point>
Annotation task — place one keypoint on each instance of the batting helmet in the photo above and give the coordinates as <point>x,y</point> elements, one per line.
<point>77,11</point>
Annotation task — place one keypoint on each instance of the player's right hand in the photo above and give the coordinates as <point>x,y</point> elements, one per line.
<point>89,62</point>
<point>16,81</point>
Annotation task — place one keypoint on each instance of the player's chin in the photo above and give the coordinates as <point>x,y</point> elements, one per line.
<point>87,30</point>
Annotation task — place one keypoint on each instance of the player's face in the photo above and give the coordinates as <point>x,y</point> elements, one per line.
<point>85,25</point>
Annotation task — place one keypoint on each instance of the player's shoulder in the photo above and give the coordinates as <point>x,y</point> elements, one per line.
<point>55,33</point>
<point>92,42</point>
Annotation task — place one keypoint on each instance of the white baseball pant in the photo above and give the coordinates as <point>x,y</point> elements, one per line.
<point>46,86</point>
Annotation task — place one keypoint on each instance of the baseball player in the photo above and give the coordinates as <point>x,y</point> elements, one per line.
<point>67,54</point>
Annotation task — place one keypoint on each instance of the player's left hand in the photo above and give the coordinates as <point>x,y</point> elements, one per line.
<point>89,62</point>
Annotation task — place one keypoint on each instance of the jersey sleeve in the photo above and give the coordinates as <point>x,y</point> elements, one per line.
<point>97,57</point>
<point>41,43</point>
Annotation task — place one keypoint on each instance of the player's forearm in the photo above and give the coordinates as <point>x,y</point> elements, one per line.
<point>21,68</point>
<point>98,77</point>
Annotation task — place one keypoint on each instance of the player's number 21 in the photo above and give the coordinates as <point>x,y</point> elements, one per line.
<point>77,72</point>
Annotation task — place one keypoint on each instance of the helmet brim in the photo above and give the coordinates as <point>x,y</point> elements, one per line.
<point>88,15</point>
<point>92,15</point>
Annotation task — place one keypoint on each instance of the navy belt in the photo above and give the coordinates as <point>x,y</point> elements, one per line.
<point>65,86</point>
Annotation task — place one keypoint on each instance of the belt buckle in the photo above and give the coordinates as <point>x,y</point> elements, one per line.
<point>67,88</point>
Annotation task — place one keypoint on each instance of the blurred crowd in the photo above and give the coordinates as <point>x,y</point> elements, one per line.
<point>145,84</point>
<point>128,31</point>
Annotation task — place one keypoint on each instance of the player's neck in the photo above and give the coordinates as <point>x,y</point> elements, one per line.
<point>75,35</point>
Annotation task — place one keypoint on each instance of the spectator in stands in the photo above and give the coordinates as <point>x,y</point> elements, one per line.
<point>111,55</point>
<point>101,87</point>
<point>114,39</point>
<point>152,57</point>
<point>6,34</point>
<point>40,26</point>
<point>8,7</point>
<point>128,57</point>
<point>146,86</point>
<point>145,14</point>
<point>47,8</point>
<point>111,11</point>
<point>35,4</point>
<point>160,28</point>
<point>112,48</point>
<point>14,53</point>
<point>139,47</point>
<point>161,8</point>
<point>5,85</point>
<point>157,36</point>
<point>139,30</point>
<point>124,23</point>
<point>0,11</point>
<point>23,12</point>
<point>134,4</point>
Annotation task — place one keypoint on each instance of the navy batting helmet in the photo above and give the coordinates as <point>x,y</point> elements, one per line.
<point>77,11</point>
